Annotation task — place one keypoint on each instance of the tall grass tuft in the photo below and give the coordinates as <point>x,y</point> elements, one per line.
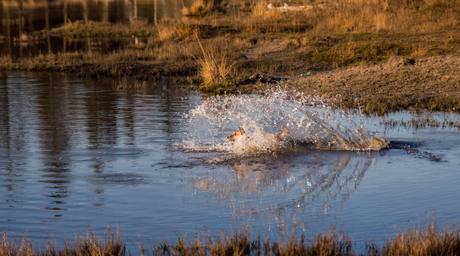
<point>425,241</point>
<point>413,241</point>
<point>90,244</point>
<point>199,8</point>
<point>331,243</point>
<point>176,31</point>
<point>214,69</point>
<point>260,9</point>
<point>242,243</point>
<point>9,245</point>
<point>328,242</point>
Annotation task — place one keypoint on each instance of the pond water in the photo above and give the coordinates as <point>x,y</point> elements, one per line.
<point>155,159</point>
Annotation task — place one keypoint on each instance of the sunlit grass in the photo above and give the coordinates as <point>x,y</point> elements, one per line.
<point>214,67</point>
<point>92,29</point>
<point>199,8</point>
<point>175,31</point>
<point>89,244</point>
<point>425,239</point>
<point>345,16</point>
<point>350,52</point>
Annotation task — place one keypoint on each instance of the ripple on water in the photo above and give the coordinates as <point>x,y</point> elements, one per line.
<point>128,179</point>
<point>123,152</point>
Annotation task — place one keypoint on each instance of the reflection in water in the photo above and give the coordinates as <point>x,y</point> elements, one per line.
<point>18,37</point>
<point>75,151</point>
<point>293,186</point>
<point>36,15</point>
<point>55,133</point>
<point>23,18</point>
<point>54,127</point>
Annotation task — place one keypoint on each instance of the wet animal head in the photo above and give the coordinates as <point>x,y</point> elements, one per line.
<point>236,135</point>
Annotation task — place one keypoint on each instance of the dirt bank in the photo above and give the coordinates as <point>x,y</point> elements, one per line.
<point>400,83</point>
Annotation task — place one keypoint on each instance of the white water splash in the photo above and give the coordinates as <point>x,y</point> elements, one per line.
<point>310,122</point>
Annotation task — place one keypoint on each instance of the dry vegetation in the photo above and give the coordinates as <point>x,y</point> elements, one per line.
<point>199,8</point>
<point>92,29</point>
<point>427,240</point>
<point>90,244</point>
<point>214,68</point>
<point>322,37</point>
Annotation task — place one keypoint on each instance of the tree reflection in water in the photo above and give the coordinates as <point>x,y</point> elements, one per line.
<point>297,186</point>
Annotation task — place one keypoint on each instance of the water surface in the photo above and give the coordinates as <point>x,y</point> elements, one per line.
<point>78,152</point>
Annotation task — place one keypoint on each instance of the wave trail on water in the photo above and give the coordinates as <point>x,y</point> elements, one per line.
<point>311,123</point>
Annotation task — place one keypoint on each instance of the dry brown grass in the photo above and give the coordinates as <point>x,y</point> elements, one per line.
<point>358,16</point>
<point>424,241</point>
<point>344,52</point>
<point>89,244</point>
<point>260,9</point>
<point>199,8</point>
<point>419,240</point>
<point>166,32</point>
<point>388,15</point>
<point>214,66</point>
<point>80,29</point>
<point>242,243</point>
<point>175,31</point>
<point>346,16</point>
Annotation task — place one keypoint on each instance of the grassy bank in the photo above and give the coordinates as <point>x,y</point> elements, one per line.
<point>240,41</point>
<point>417,240</point>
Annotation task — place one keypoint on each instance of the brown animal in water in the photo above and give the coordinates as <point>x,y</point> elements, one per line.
<point>238,136</point>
